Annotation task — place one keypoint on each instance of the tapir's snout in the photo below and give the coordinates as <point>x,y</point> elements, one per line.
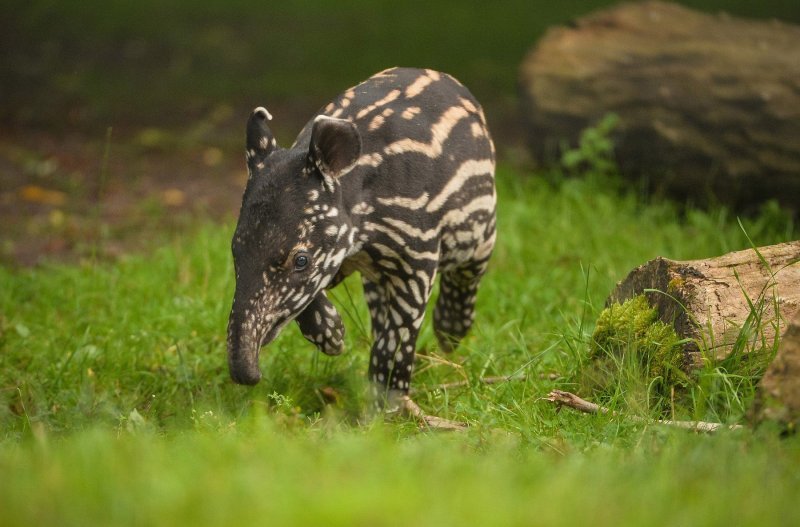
<point>246,336</point>
<point>243,350</point>
<point>242,369</point>
<point>247,377</point>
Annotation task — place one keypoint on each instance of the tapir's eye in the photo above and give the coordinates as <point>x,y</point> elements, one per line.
<point>301,261</point>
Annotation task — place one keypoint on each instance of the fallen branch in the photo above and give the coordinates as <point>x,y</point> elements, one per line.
<point>562,398</point>
<point>409,407</point>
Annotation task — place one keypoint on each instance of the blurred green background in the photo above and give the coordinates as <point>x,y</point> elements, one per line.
<point>89,64</point>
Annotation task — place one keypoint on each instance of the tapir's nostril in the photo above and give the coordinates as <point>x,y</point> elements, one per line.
<point>246,376</point>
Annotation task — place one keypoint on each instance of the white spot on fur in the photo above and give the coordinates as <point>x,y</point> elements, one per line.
<point>435,75</point>
<point>416,87</point>
<point>391,96</point>
<point>372,160</point>
<point>410,112</point>
<point>440,131</point>
<point>396,317</point>
<point>469,105</point>
<point>362,209</point>
<point>408,203</point>
<point>376,123</point>
<point>404,334</point>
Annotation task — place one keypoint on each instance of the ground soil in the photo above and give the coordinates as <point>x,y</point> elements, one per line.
<point>68,196</point>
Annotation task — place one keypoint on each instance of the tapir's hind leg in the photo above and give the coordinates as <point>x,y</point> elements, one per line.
<point>455,308</point>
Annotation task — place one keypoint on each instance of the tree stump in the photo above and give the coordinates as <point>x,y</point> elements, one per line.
<point>710,301</point>
<point>778,395</point>
<point>709,106</point>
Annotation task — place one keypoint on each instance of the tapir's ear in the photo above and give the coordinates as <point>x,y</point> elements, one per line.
<point>260,141</point>
<point>335,147</point>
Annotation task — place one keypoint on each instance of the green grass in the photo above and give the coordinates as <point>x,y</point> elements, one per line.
<point>116,406</point>
<point>258,474</point>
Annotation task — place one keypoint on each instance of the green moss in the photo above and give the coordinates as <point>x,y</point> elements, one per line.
<point>631,337</point>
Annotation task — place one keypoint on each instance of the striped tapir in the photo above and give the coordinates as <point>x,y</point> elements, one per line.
<point>394,179</point>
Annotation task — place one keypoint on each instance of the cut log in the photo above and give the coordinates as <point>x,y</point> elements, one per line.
<point>708,106</point>
<point>710,301</point>
<point>778,395</point>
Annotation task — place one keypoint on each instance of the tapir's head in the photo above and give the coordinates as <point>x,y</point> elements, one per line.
<point>291,236</point>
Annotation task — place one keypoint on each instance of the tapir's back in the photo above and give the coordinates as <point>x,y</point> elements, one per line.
<point>426,170</point>
<point>417,128</point>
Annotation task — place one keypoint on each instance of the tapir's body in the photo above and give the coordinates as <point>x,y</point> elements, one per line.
<point>394,179</point>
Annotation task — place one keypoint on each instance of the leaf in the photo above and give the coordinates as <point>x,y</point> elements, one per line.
<point>37,194</point>
<point>22,330</point>
<point>173,197</point>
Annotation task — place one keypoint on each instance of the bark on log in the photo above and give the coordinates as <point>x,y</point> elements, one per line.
<point>709,106</point>
<point>709,301</point>
<point>778,396</point>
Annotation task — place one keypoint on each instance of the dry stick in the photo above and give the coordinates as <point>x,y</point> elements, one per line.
<point>562,398</point>
<point>430,421</point>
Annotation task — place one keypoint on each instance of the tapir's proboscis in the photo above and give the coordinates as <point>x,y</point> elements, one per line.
<point>393,179</point>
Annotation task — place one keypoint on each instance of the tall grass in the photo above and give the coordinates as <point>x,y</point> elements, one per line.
<point>88,344</point>
<point>116,406</point>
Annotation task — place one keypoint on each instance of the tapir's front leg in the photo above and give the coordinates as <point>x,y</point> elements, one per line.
<point>397,307</point>
<point>321,324</point>
<point>397,313</point>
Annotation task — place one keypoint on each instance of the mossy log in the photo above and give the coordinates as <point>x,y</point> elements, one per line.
<point>778,395</point>
<point>739,301</point>
<point>708,105</point>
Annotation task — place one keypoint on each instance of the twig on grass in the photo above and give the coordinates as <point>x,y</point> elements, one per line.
<point>409,407</point>
<point>562,398</point>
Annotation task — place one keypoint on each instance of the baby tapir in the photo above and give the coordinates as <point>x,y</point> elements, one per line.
<point>394,179</point>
